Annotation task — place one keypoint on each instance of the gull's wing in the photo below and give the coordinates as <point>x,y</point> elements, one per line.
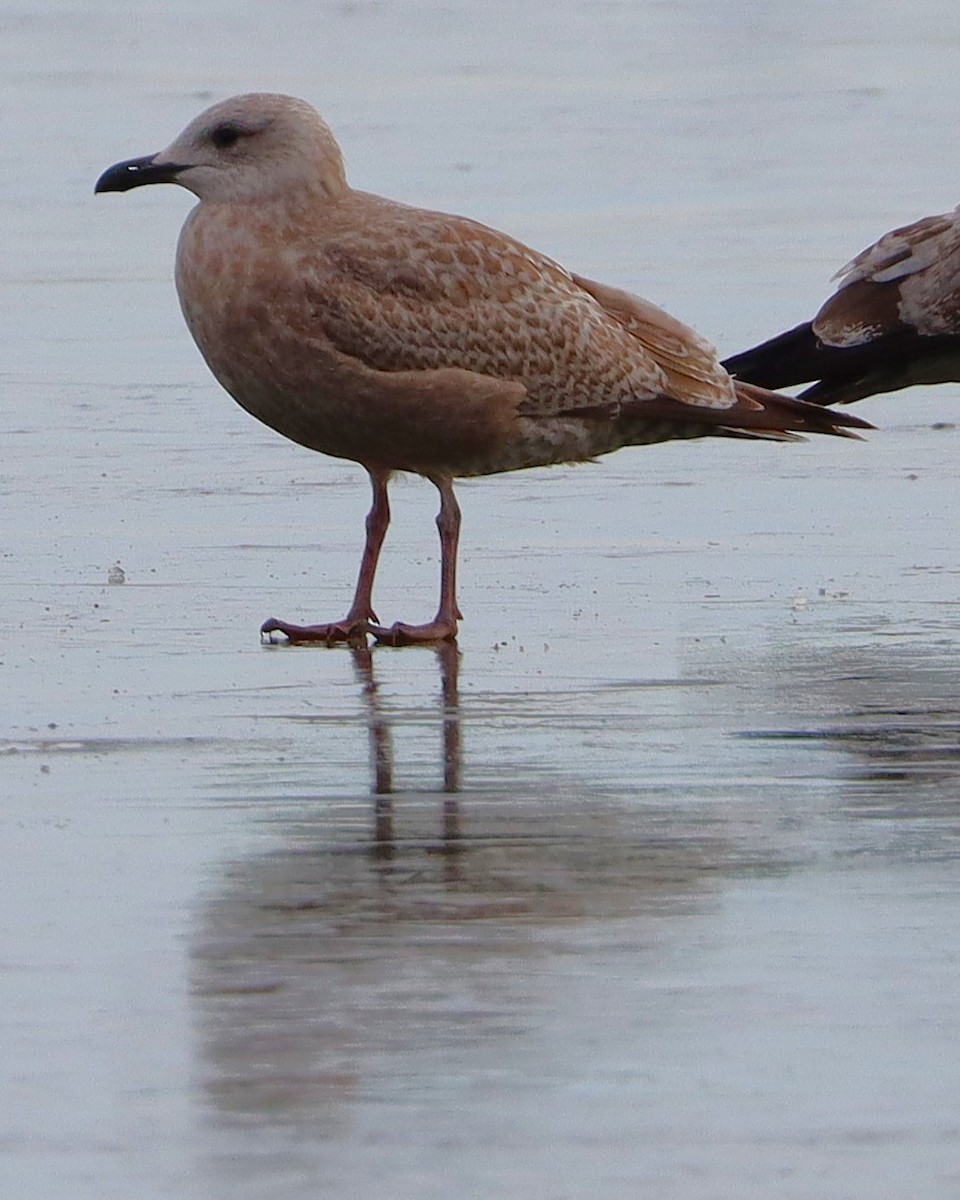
<point>908,280</point>
<point>690,363</point>
<point>903,251</point>
<point>405,292</point>
<point>403,289</point>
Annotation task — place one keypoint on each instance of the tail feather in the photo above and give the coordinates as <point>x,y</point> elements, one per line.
<point>789,415</point>
<point>758,413</point>
<point>783,361</point>
<point>843,374</point>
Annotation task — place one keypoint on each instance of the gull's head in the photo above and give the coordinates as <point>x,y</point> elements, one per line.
<point>250,148</point>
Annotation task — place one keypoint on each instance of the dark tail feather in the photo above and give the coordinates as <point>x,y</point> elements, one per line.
<point>758,413</point>
<point>900,360</point>
<point>846,390</point>
<point>843,374</point>
<point>777,412</point>
<point>789,358</point>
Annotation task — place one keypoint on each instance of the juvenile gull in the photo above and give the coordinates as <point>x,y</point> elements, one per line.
<point>409,340</point>
<point>893,322</point>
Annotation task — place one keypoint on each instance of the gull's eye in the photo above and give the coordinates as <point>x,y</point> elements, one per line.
<point>225,135</point>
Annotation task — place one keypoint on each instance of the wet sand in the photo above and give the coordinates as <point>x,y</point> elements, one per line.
<point>651,888</point>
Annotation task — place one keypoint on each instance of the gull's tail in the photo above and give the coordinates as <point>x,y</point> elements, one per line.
<point>758,413</point>
<point>843,374</point>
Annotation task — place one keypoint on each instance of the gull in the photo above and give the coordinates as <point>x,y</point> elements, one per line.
<point>893,322</point>
<point>410,340</point>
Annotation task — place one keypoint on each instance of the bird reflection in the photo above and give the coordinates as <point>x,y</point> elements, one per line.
<point>370,969</point>
<point>370,953</point>
<point>381,747</point>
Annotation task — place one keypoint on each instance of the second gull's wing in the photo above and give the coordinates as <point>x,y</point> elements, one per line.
<point>909,279</point>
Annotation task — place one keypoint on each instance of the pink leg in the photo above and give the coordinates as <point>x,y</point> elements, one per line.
<point>355,625</point>
<point>443,627</point>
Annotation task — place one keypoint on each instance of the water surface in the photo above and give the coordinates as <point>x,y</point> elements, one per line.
<point>651,888</point>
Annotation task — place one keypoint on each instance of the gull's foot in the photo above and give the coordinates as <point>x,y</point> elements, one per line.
<point>400,634</point>
<point>353,632</point>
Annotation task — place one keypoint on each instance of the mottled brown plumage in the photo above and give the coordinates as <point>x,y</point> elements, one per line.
<point>405,339</point>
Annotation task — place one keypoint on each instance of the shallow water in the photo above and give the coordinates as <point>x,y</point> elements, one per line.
<point>651,888</point>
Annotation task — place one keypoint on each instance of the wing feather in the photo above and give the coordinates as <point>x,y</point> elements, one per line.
<point>908,280</point>
<point>434,291</point>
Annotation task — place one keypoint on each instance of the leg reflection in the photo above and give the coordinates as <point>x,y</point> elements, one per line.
<point>381,753</point>
<point>381,743</point>
<point>449,659</point>
<point>381,747</point>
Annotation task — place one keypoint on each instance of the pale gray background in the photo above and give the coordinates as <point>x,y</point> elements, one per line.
<point>701,937</point>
